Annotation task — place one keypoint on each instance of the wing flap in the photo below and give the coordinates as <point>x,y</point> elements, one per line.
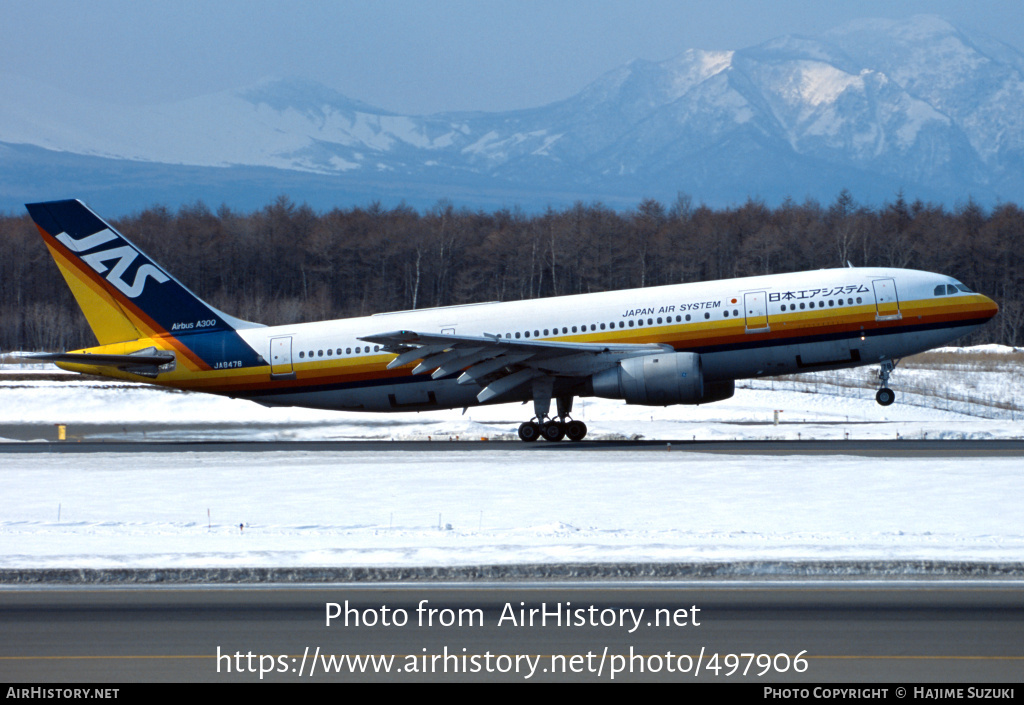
<point>400,341</point>
<point>500,364</point>
<point>507,384</point>
<point>480,370</point>
<point>412,354</point>
<point>435,361</point>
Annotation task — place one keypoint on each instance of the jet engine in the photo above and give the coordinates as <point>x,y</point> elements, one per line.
<point>654,380</point>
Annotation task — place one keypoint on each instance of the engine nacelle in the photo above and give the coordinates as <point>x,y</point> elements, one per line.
<point>717,391</point>
<point>660,379</point>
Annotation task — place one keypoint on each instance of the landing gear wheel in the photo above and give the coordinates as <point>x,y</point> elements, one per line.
<point>575,430</point>
<point>885,396</point>
<point>552,431</point>
<point>529,432</point>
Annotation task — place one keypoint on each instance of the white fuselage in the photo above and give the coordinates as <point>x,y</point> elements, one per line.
<point>742,328</point>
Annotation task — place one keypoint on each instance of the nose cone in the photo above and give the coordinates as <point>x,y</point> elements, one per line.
<point>989,308</point>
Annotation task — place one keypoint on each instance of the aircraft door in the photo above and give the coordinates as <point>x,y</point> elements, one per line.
<point>281,357</point>
<point>755,305</point>
<point>887,303</point>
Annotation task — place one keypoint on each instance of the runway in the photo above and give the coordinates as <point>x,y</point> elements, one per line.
<point>596,500</point>
<point>903,448</point>
<point>909,633</point>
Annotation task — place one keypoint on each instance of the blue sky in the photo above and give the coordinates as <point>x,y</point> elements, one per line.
<point>411,56</point>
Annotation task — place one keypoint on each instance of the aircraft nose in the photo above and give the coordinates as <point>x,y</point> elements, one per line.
<point>989,307</point>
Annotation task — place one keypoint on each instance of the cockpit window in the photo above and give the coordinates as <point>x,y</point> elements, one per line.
<point>963,288</point>
<point>940,290</point>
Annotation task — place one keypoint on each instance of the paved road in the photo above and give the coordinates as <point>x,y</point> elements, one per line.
<point>920,632</point>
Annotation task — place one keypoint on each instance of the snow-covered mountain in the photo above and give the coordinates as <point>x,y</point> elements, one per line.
<point>876,106</point>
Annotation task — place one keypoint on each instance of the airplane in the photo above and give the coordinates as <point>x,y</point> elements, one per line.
<point>675,344</point>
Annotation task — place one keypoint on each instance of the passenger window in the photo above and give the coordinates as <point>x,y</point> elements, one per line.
<point>602,326</point>
<point>517,334</point>
<point>302,354</point>
<point>545,331</point>
<point>707,316</point>
<point>687,316</point>
<point>348,351</point>
<point>858,299</point>
<point>319,353</point>
<point>536,334</point>
<point>631,323</point>
<point>640,321</point>
<point>574,329</point>
<point>725,314</point>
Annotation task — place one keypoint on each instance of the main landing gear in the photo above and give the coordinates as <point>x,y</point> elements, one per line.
<point>885,396</point>
<point>552,430</point>
<point>543,426</point>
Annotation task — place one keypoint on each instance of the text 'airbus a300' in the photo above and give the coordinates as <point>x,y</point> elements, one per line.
<point>676,344</point>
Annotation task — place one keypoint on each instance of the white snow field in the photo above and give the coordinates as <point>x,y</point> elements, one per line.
<point>499,506</point>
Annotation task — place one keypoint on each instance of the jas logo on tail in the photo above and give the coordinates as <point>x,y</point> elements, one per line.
<point>124,255</point>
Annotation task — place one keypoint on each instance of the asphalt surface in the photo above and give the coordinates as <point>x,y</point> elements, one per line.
<point>909,633</point>
<point>906,448</point>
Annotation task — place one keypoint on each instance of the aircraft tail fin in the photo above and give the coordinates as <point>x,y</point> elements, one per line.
<point>122,292</point>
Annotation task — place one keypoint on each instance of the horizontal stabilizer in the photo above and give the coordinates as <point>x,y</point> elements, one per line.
<point>147,363</point>
<point>161,358</point>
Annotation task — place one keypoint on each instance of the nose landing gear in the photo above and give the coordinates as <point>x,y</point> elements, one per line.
<point>885,396</point>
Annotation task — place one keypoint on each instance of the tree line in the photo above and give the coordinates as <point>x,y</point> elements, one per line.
<point>287,263</point>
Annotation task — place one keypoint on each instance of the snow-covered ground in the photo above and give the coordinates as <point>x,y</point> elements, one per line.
<point>499,506</point>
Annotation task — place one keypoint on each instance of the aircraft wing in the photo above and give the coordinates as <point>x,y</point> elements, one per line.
<point>499,364</point>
